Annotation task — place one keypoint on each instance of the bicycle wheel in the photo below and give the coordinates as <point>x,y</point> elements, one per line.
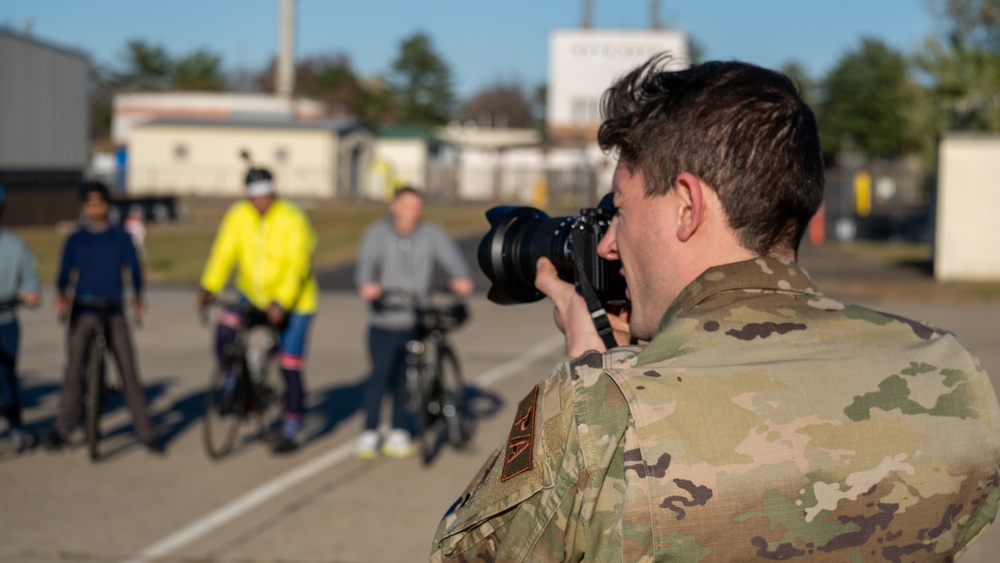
<point>427,411</point>
<point>224,413</point>
<point>93,400</point>
<point>454,409</point>
<point>267,403</point>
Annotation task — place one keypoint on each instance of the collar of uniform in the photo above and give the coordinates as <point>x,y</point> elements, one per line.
<point>758,274</point>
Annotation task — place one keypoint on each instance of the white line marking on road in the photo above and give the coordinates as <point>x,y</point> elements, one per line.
<point>536,353</point>
<point>285,481</point>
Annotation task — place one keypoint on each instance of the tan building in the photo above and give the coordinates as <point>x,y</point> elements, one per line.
<point>315,159</point>
<point>414,155</point>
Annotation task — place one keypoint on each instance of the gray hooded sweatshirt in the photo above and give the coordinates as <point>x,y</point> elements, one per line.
<point>405,264</point>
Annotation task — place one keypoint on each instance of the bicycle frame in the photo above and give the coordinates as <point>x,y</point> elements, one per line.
<point>95,374</point>
<point>252,394</point>
<point>431,396</point>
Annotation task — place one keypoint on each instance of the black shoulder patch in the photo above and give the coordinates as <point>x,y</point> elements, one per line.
<point>518,455</point>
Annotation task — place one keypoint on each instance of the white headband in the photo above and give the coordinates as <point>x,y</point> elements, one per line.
<point>258,188</point>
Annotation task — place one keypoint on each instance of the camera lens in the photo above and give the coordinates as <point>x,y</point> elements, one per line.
<point>518,237</point>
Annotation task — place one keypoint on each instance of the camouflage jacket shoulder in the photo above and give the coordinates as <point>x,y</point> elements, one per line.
<point>763,421</point>
<point>773,422</point>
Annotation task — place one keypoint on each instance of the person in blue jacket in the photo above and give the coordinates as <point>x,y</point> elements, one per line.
<point>95,256</point>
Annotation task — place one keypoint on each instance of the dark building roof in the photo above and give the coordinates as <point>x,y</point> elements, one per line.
<point>11,34</point>
<point>338,126</point>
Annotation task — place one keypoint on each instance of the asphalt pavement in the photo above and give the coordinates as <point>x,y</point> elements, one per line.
<point>321,503</point>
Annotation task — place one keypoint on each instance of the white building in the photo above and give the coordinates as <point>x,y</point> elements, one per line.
<point>968,204</point>
<point>583,63</point>
<point>317,159</point>
<point>516,166</point>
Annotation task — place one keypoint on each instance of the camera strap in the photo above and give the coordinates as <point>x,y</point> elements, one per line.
<point>594,305</point>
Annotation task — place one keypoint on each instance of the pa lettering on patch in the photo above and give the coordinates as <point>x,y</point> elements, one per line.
<point>518,454</point>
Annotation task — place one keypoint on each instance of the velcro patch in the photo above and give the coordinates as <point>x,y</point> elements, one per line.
<point>517,457</point>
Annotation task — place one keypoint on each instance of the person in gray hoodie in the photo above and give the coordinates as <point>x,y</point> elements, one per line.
<point>396,267</point>
<point>18,285</point>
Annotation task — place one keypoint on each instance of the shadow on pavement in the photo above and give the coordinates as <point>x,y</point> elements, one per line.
<point>480,405</point>
<point>330,407</point>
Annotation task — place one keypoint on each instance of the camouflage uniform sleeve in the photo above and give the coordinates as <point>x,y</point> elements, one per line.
<point>534,498</point>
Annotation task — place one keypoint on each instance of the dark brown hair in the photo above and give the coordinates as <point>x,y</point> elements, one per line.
<point>742,129</point>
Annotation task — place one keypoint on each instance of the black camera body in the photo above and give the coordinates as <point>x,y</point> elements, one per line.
<point>519,236</point>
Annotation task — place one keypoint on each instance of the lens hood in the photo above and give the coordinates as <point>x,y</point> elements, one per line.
<point>501,258</point>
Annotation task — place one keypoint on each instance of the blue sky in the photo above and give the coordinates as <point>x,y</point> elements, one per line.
<point>483,41</point>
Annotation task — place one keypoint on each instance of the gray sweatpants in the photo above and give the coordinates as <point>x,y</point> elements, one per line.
<point>81,331</point>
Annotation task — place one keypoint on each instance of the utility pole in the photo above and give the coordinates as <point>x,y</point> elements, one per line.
<point>285,80</point>
<point>654,14</point>
<point>588,13</point>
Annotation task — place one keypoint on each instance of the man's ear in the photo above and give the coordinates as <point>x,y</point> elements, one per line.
<point>691,210</point>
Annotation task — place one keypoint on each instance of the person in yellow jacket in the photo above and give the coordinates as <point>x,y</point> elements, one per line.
<point>270,242</point>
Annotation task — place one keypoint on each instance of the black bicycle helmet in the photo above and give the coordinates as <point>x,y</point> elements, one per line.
<point>257,175</point>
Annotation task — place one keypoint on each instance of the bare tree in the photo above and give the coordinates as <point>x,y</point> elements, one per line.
<point>503,104</point>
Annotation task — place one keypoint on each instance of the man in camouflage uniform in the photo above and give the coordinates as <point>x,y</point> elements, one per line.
<point>762,420</point>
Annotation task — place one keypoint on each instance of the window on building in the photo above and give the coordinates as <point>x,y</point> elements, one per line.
<point>281,154</point>
<point>586,111</point>
<point>180,151</point>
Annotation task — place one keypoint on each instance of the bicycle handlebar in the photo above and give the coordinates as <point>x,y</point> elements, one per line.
<point>102,304</point>
<point>440,309</point>
<point>245,308</point>
<point>400,299</point>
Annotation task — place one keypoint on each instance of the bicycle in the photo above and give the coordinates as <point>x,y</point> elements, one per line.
<point>96,388</point>
<point>434,384</point>
<point>254,395</point>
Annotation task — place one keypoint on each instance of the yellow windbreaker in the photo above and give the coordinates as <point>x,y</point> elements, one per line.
<point>274,253</point>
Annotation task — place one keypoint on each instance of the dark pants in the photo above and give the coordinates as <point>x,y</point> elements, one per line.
<point>388,354</point>
<point>81,332</point>
<point>10,392</point>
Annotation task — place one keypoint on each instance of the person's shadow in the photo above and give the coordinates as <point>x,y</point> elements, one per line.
<point>118,439</point>
<point>334,405</point>
<point>330,407</point>
<point>169,423</point>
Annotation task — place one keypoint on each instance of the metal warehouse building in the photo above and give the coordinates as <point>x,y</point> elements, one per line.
<point>43,137</point>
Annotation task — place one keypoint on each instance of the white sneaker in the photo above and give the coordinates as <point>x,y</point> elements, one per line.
<point>398,444</point>
<point>367,447</point>
<point>18,440</point>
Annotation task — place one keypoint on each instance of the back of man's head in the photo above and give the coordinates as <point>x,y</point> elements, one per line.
<point>742,129</point>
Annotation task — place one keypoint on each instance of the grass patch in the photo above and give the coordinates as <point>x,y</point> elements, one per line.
<point>176,253</point>
<point>897,252</point>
